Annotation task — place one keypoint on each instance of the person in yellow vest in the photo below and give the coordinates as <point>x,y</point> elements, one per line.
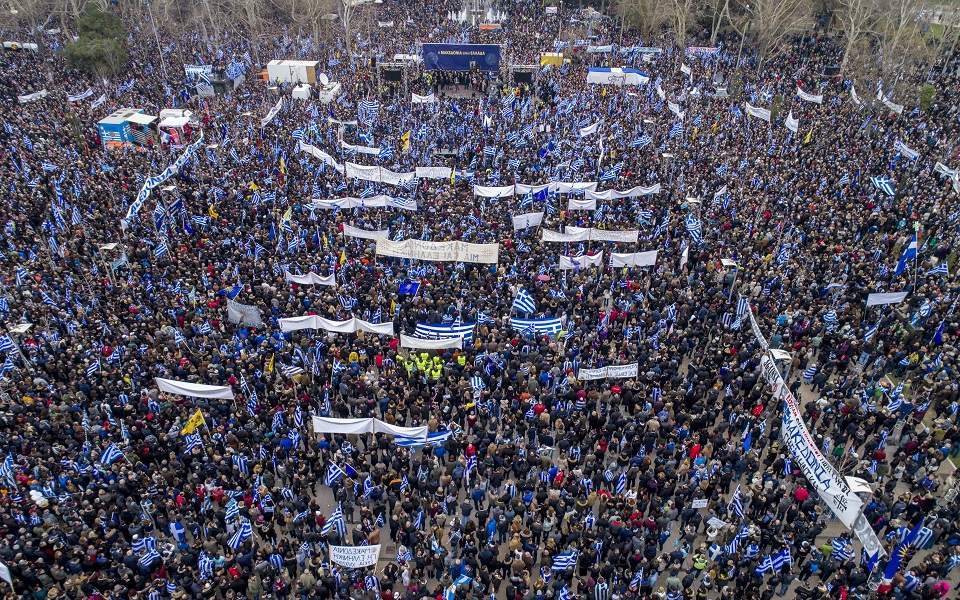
<point>437,370</point>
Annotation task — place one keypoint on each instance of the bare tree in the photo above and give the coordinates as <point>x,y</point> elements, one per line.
<point>646,16</point>
<point>768,24</point>
<point>900,42</point>
<point>681,12</point>
<point>857,18</point>
<point>718,12</point>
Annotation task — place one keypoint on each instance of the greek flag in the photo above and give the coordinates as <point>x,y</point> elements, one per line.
<point>476,382</point>
<point>440,331</point>
<point>334,473</point>
<point>335,521</point>
<point>809,372</point>
<point>736,503</point>
<point>192,441</point>
<point>830,319</point>
<point>780,559</point>
<point>622,483</point>
<point>93,367</point>
<point>290,370</point>
<point>870,332</point>
<point>693,226</point>
<point>940,269</point>
<point>524,302</point>
<point>243,533</point>
<point>160,249</point>
<point>565,560</point>
<point>841,549</point>
<point>110,455</point>
<point>548,326</point>
<point>676,130</point>
<point>241,463</point>
<point>148,559</point>
<point>612,173</point>
<point>738,539</point>
<point>883,184</point>
<point>641,142</point>
<point>436,438</point>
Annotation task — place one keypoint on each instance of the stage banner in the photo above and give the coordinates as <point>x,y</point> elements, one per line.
<point>355,557</point>
<point>461,57</point>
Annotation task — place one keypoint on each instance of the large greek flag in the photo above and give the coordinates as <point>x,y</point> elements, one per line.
<point>440,331</point>
<point>549,326</point>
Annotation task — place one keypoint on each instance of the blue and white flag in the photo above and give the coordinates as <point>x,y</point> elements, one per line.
<point>524,302</point>
<point>909,254</point>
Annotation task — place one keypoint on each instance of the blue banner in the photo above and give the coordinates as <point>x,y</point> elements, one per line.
<point>461,57</point>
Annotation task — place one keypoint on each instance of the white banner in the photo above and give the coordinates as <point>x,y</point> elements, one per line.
<point>418,99</point>
<point>946,171</point>
<point>380,201</point>
<point>563,187</point>
<point>355,426</point>
<point>792,123</point>
<point>376,174</point>
<point>589,130</point>
<point>905,150</point>
<point>897,108</point>
<point>634,259</point>
<point>409,341</point>
<point>877,299</point>
<point>581,234</point>
<point>493,192</point>
<point>616,194</point>
<point>853,96</point>
<point>610,372</point>
<point>243,313</point>
<point>809,97</point>
<point>572,263</point>
<point>81,96</point>
<point>820,473</point>
<point>581,204</point>
<point>356,557</point>
<point>323,156</point>
<point>675,109</point>
<point>756,328</point>
<point>455,251</point>
<point>433,172</point>
<point>365,234</point>
<point>760,113</point>
<point>273,113</point>
<point>351,325</point>
<point>32,97</point>
<point>527,220</point>
<point>196,390</point>
<point>525,188</point>
<point>311,278</point>
<point>361,149</point>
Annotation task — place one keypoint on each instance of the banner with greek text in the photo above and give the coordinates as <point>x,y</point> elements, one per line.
<point>243,313</point>
<point>311,278</point>
<point>454,251</point>
<point>760,113</point>
<point>878,299</point>
<point>572,263</point>
<point>616,194</point>
<point>323,156</point>
<point>581,204</point>
<point>380,201</point>
<point>809,97</point>
<point>820,472</point>
<point>609,372</point>
<point>272,114</point>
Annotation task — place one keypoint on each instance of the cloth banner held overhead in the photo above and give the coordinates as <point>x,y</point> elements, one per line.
<point>323,156</point>
<point>809,97</point>
<point>905,150</point>
<point>616,194</point>
<point>433,172</point>
<point>357,426</point>
<point>311,278</point>
<point>493,192</point>
<point>365,234</point>
<point>897,108</point>
<point>634,259</point>
<point>418,343</point>
<point>355,557</point>
<point>590,130</point>
<point>572,263</point>
<point>792,123</point>
<point>527,220</point>
<point>760,113</point>
<point>32,97</point>
<point>581,204</point>
<point>608,372</point>
<point>820,472</point>
<point>81,96</point>
<point>583,234</point>
<point>360,149</point>
<point>454,251</point>
<point>352,325</point>
<point>243,313</point>
<point>379,201</point>
<point>877,299</point>
<point>376,174</point>
<point>272,113</point>
<point>156,180</point>
<point>196,390</point>
<point>418,99</point>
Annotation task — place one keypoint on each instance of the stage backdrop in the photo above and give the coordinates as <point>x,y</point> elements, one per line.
<point>461,57</point>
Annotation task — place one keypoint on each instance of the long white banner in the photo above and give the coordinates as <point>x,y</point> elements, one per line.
<point>360,149</point>
<point>311,278</point>
<point>243,313</point>
<point>356,426</point>
<point>433,172</point>
<point>156,180</point>
<point>527,220</point>
<point>584,234</point>
<point>355,557</point>
<point>634,259</point>
<point>272,114</point>
<point>760,113</point>
<point>409,341</point>
<point>455,251</point>
<point>376,174</point>
<point>820,472</point>
<point>581,204</point>
<point>365,234</point>
<point>323,156</point>
<point>809,97</point>
<point>571,263</point>
<point>881,298</point>
<point>196,390</point>
<point>349,326</point>
<point>633,192</point>
<point>609,372</point>
<point>379,201</point>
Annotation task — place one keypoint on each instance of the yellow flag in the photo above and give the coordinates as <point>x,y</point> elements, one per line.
<point>287,215</point>
<point>195,420</point>
<point>469,405</point>
<point>343,256</point>
<point>393,307</point>
<point>283,166</point>
<point>806,140</point>
<point>453,175</point>
<point>269,366</point>
<point>254,186</point>
<point>212,211</point>
<point>405,141</point>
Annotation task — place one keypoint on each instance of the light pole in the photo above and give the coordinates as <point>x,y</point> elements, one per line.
<point>731,264</point>
<point>156,36</point>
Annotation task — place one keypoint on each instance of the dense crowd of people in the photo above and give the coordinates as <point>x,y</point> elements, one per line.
<point>535,481</point>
